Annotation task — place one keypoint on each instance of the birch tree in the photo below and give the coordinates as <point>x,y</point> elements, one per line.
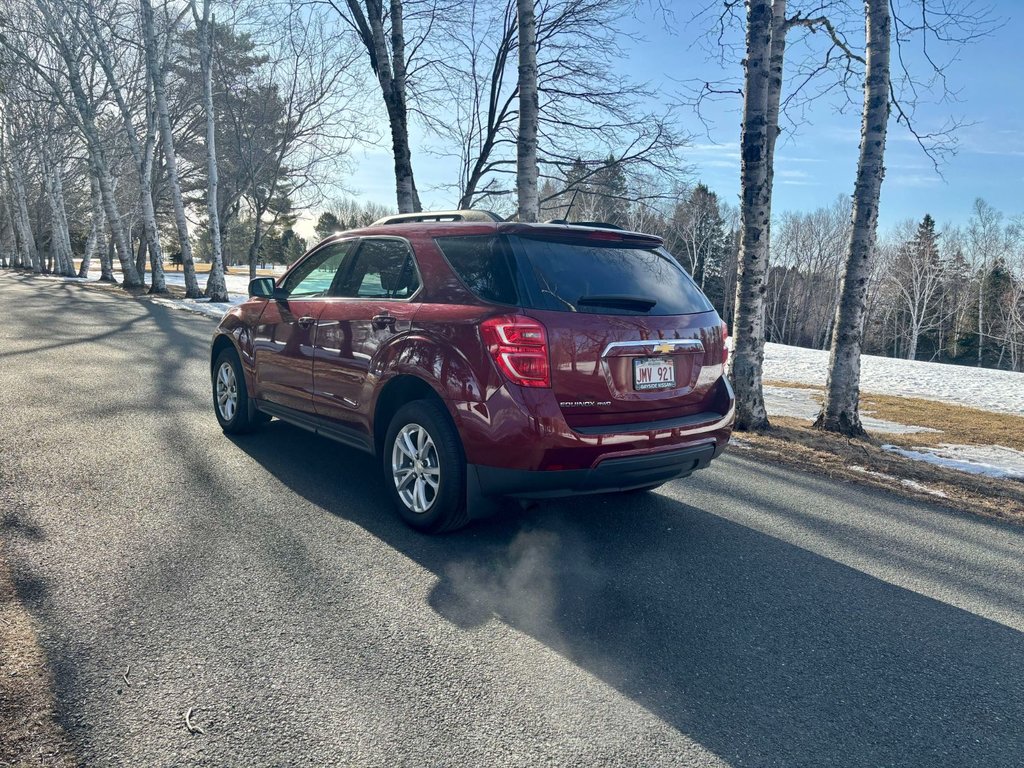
<point>748,325</point>
<point>382,34</point>
<point>156,68</point>
<point>529,105</point>
<point>216,287</point>
<point>840,411</point>
<point>102,30</point>
<point>93,242</point>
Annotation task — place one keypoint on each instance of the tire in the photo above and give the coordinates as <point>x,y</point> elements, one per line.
<point>422,446</point>
<point>230,396</point>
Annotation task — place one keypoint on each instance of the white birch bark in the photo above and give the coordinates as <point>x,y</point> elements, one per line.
<point>14,257</point>
<point>840,412</point>
<point>390,68</point>
<point>529,110</point>
<point>96,225</point>
<point>107,259</point>
<point>30,255</point>
<point>755,215</point>
<point>158,284</point>
<point>216,288</point>
<point>156,76</point>
<point>60,239</point>
<point>86,112</point>
<point>142,155</point>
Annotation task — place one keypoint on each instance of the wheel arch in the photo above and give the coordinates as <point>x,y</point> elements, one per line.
<point>221,342</point>
<point>399,390</point>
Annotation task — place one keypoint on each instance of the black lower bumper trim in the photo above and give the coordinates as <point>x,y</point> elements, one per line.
<point>610,475</point>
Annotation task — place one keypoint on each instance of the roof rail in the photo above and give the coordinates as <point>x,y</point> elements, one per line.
<point>594,224</point>
<point>465,215</point>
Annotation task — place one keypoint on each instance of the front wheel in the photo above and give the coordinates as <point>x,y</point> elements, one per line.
<point>423,468</point>
<point>230,395</point>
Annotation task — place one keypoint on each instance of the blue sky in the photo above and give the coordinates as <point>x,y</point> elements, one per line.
<point>816,162</point>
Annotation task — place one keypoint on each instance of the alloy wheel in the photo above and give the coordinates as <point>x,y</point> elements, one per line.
<point>227,391</point>
<point>415,468</point>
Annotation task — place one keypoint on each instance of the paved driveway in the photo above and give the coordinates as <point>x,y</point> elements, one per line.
<point>748,616</point>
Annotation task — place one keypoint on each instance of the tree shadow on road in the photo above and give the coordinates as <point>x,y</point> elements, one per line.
<point>765,653</point>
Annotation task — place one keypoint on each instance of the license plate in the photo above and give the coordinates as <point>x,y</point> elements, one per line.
<point>653,373</point>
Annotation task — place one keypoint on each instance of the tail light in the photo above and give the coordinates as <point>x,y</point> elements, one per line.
<point>725,344</point>
<point>519,346</point>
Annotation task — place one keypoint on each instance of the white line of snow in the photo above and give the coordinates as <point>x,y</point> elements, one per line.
<point>991,460</point>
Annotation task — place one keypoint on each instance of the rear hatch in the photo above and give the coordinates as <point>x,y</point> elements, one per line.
<point>629,333</point>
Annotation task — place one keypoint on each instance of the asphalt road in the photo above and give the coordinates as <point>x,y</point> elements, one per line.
<point>748,616</point>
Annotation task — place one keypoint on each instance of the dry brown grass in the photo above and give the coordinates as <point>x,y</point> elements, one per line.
<point>29,732</point>
<point>794,443</point>
<point>957,423</point>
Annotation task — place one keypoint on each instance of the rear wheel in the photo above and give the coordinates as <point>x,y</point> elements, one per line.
<point>230,395</point>
<point>423,468</point>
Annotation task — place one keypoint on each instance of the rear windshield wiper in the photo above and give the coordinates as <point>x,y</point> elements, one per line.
<point>635,303</point>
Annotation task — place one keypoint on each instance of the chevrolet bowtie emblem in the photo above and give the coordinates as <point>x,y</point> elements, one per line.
<point>663,348</point>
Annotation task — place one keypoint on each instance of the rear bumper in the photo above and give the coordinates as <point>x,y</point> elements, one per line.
<point>612,474</point>
<point>520,429</point>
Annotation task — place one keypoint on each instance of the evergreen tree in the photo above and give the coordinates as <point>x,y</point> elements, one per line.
<point>609,193</point>
<point>328,224</point>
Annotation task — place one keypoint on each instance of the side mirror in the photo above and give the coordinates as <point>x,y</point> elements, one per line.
<point>261,287</point>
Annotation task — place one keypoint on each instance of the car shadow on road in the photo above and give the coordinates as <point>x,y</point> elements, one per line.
<point>763,652</point>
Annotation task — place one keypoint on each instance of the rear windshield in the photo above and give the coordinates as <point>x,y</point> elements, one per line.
<point>597,278</point>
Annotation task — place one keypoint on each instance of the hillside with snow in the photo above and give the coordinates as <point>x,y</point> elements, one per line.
<point>984,388</point>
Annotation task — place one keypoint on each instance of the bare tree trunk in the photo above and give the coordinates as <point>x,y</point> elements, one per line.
<point>12,232</point>
<point>156,75</point>
<point>140,258</point>
<point>755,213</point>
<point>30,255</point>
<point>981,309</point>
<point>92,244</point>
<point>107,260</point>
<point>390,68</point>
<point>60,240</point>
<point>216,287</point>
<point>840,412</point>
<point>912,344</point>
<point>529,109</point>
<point>99,163</point>
<point>775,67</point>
<point>254,248</point>
<point>156,259</point>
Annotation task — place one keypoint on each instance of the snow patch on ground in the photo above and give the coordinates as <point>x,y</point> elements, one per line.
<point>990,390</point>
<point>238,290</point>
<point>992,460</point>
<point>903,481</point>
<point>798,403</point>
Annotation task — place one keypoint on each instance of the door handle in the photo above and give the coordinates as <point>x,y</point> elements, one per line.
<point>383,321</point>
<point>306,321</point>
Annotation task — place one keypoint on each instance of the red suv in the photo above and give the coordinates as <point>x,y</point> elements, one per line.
<point>479,359</point>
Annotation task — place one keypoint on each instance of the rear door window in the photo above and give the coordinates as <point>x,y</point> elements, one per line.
<point>380,269</point>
